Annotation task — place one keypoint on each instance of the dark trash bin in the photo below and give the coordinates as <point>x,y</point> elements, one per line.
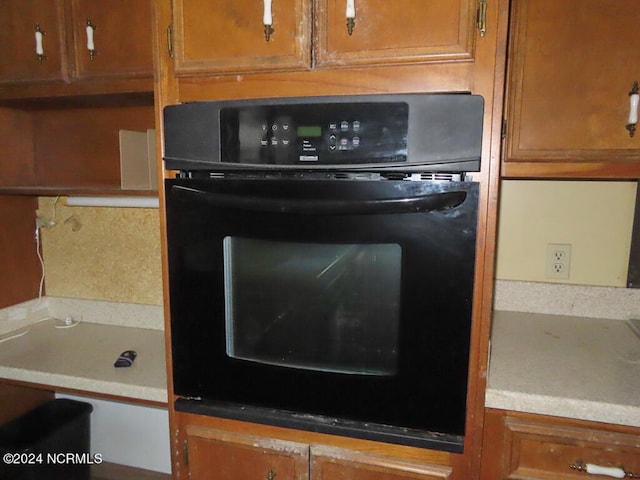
<point>50,442</point>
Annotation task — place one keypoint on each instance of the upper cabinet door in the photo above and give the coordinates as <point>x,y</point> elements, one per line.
<point>236,36</point>
<point>356,32</point>
<point>32,35</point>
<point>112,38</point>
<point>571,67</point>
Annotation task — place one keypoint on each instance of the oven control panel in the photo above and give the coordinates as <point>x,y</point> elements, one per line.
<point>321,134</point>
<point>414,132</point>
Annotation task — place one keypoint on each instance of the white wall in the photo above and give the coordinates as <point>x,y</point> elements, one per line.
<point>133,435</point>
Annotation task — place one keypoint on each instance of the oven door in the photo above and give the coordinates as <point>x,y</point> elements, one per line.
<point>341,306</point>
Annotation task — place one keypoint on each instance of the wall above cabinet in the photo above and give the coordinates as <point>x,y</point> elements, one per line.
<point>571,67</point>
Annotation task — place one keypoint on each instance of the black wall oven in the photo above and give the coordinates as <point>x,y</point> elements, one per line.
<point>320,268</point>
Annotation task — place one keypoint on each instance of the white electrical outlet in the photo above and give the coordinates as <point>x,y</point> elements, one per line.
<point>558,261</point>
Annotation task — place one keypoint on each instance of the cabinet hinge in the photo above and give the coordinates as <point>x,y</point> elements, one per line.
<point>503,133</point>
<point>185,452</point>
<point>482,18</point>
<point>170,40</point>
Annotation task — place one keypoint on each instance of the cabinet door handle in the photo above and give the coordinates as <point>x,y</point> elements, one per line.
<point>267,20</point>
<point>482,18</point>
<point>271,475</point>
<point>351,16</point>
<point>632,121</point>
<point>593,469</point>
<point>39,34</point>
<point>91,47</point>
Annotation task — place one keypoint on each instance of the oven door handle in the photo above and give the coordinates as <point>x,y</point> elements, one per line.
<point>435,202</point>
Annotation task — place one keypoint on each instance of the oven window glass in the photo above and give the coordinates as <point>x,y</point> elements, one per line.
<point>324,307</point>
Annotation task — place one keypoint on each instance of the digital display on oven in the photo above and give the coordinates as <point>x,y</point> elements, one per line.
<point>309,131</point>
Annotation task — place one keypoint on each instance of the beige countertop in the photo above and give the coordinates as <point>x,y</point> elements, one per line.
<point>81,358</point>
<point>574,367</point>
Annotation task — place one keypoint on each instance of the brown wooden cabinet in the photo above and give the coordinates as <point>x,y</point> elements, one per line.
<point>16,400</point>
<point>121,37</point>
<point>227,455</point>
<point>61,148</point>
<point>518,445</point>
<point>231,37</point>
<point>571,66</point>
<point>120,31</point>
<point>19,264</point>
<point>386,32</point>
<point>61,111</point>
<point>337,464</point>
<point>19,21</point>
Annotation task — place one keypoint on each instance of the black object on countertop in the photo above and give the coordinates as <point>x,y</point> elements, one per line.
<point>126,359</point>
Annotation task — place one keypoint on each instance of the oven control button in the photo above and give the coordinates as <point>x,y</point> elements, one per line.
<point>344,126</point>
<point>285,142</point>
<point>356,126</point>
<point>274,142</point>
<point>333,126</point>
<point>332,142</point>
<point>355,141</point>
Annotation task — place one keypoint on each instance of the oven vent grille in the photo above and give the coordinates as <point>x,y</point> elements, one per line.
<point>355,176</point>
<point>440,177</point>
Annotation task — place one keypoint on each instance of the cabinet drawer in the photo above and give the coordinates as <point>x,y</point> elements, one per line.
<point>548,451</point>
<point>223,455</point>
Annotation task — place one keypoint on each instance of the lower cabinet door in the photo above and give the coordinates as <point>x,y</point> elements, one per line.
<point>230,456</point>
<point>210,453</point>
<point>337,464</point>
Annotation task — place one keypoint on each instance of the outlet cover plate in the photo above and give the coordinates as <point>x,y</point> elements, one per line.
<point>558,261</point>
